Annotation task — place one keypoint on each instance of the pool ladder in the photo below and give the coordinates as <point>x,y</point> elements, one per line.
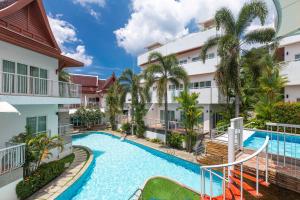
<point>137,193</point>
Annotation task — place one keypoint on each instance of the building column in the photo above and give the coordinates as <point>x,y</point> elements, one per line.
<point>207,118</point>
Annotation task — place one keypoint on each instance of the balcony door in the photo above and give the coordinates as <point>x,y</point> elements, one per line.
<point>38,81</point>
<point>8,77</point>
<point>22,78</point>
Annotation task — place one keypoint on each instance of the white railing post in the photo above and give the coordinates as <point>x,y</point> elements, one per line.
<point>231,149</point>
<point>267,164</point>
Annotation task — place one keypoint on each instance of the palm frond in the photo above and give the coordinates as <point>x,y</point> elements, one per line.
<point>225,19</point>
<point>208,45</point>
<point>262,35</point>
<point>249,12</point>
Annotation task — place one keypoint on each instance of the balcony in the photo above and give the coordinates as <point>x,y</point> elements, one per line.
<point>28,86</point>
<point>11,157</point>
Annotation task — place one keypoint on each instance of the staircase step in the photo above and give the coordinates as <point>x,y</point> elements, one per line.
<point>231,193</point>
<point>251,178</point>
<point>246,187</point>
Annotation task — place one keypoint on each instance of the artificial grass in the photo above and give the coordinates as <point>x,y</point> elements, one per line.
<point>164,189</point>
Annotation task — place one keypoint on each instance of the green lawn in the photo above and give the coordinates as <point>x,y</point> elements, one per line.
<point>164,189</point>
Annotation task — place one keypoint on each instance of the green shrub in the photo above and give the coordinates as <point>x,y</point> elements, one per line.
<point>155,140</point>
<point>287,113</point>
<point>42,176</point>
<point>126,127</point>
<point>175,140</point>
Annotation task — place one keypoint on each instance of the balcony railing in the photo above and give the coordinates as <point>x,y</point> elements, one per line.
<point>23,85</point>
<point>11,158</point>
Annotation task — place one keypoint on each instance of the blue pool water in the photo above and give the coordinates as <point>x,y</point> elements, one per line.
<point>120,167</point>
<point>292,143</point>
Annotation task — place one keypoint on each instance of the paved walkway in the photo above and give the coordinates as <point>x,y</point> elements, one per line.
<point>58,185</point>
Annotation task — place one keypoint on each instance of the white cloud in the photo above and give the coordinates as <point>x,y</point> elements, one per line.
<point>80,54</point>
<point>100,3</point>
<point>157,21</point>
<point>90,6</point>
<point>65,35</point>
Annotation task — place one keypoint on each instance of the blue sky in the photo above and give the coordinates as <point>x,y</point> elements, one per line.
<point>107,35</point>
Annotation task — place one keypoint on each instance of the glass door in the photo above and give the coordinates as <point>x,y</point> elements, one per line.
<point>43,82</point>
<point>22,78</point>
<point>8,77</point>
<point>34,80</point>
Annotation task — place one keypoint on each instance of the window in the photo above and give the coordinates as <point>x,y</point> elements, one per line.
<point>191,85</point>
<point>182,62</point>
<point>298,99</point>
<point>37,124</point>
<point>22,78</point>
<point>180,87</point>
<point>171,87</point>
<point>171,115</point>
<point>195,59</point>
<point>210,56</point>
<point>196,85</point>
<point>208,84</point>
<point>202,84</point>
<point>297,57</point>
<point>8,76</point>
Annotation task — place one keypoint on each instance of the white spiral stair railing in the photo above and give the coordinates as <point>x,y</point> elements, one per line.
<point>210,170</point>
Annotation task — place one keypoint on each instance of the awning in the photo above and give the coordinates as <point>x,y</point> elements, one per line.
<point>8,108</point>
<point>288,18</point>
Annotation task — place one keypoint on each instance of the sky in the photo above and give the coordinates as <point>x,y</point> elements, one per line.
<point>107,35</point>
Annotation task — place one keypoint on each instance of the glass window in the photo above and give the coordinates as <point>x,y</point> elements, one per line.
<point>22,78</point>
<point>37,124</point>
<point>191,85</point>
<point>181,62</point>
<point>8,76</point>
<point>195,59</point>
<point>202,84</point>
<point>43,82</point>
<point>297,57</point>
<point>196,85</point>
<point>208,84</point>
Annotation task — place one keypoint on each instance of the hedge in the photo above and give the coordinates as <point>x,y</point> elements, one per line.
<point>41,177</point>
<point>287,113</point>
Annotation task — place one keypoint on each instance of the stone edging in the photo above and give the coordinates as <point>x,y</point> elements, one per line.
<point>79,174</point>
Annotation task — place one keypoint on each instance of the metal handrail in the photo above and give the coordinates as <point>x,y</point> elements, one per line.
<point>229,167</point>
<point>134,193</point>
<point>243,160</point>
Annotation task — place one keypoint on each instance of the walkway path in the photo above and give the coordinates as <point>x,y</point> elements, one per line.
<point>58,185</point>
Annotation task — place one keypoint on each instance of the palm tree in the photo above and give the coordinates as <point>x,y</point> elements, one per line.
<point>230,44</point>
<point>271,88</point>
<point>64,76</point>
<point>41,145</point>
<point>191,113</point>
<point>161,71</point>
<point>113,103</point>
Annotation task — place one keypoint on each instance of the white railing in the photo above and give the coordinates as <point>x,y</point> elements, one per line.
<point>65,129</point>
<point>17,84</point>
<point>11,158</point>
<point>284,144</point>
<point>228,169</point>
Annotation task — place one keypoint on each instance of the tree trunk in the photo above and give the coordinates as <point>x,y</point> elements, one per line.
<point>237,105</point>
<point>166,113</point>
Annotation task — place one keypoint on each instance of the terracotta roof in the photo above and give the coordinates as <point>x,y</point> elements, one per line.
<point>24,23</point>
<point>6,3</point>
<point>91,84</point>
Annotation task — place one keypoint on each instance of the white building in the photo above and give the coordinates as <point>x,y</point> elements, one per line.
<point>201,75</point>
<point>290,53</point>
<point>30,60</point>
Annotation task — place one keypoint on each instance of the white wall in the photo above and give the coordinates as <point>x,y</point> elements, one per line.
<point>8,192</point>
<point>30,58</point>
<point>12,124</point>
<point>292,93</point>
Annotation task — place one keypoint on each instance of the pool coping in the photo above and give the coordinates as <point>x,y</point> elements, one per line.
<point>78,175</point>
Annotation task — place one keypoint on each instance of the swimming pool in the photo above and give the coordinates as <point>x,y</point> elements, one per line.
<point>291,144</point>
<point>120,167</point>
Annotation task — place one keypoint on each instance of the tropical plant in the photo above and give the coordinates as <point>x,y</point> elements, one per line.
<point>41,145</point>
<point>271,88</point>
<point>175,140</point>
<point>64,76</point>
<point>188,104</point>
<point>113,102</point>
<point>131,84</point>
<point>87,117</point>
<point>161,71</point>
<point>230,43</point>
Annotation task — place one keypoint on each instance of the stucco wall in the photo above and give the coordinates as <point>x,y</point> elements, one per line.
<point>13,124</point>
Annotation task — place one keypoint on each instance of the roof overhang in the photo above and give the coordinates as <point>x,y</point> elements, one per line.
<point>287,23</point>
